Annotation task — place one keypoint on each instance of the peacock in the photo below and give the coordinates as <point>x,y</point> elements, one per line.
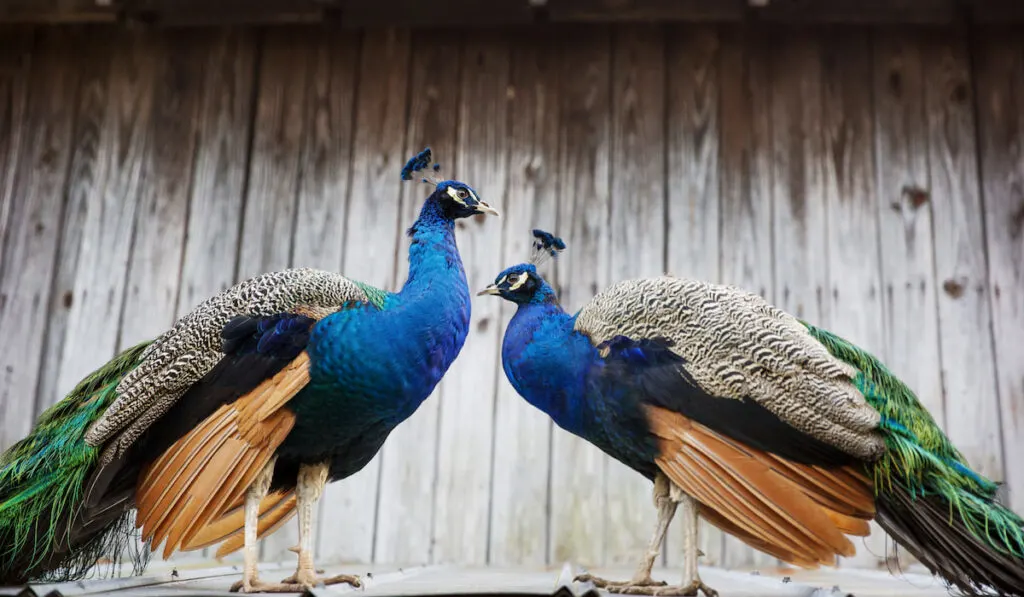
<point>776,431</point>
<point>233,420</point>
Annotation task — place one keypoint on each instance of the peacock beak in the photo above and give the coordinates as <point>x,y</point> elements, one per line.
<point>483,208</point>
<point>492,289</point>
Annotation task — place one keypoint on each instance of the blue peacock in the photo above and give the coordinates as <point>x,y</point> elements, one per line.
<point>776,431</point>
<point>232,421</point>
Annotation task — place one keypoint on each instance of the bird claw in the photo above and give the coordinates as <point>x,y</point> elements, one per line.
<point>690,590</point>
<point>307,579</point>
<point>620,586</point>
<point>258,586</point>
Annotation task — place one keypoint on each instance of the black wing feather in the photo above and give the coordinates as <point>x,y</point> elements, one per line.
<point>659,377</point>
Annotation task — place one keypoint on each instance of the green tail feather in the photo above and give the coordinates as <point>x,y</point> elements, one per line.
<point>922,468</point>
<point>42,477</point>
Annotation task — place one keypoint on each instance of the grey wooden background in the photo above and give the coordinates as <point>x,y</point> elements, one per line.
<point>142,171</point>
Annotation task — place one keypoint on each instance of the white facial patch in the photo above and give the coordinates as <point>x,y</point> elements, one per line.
<point>519,282</point>
<point>454,194</point>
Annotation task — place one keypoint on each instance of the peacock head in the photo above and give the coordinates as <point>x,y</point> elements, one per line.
<point>521,283</point>
<point>457,199</point>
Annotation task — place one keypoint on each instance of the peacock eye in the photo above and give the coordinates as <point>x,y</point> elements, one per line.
<point>513,278</point>
<point>462,194</point>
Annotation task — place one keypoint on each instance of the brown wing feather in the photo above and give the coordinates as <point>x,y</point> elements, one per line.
<point>798,513</point>
<point>268,523</point>
<point>186,495</point>
<point>280,505</point>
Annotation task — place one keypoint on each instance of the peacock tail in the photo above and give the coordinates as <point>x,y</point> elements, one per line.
<point>922,471</point>
<point>42,479</point>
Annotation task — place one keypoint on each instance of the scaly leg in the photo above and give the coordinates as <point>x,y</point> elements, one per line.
<point>691,579</point>
<point>642,577</point>
<point>253,496</point>
<point>666,497</point>
<point>311,481</point>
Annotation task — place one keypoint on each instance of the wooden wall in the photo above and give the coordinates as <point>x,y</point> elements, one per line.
<point>870,180</point>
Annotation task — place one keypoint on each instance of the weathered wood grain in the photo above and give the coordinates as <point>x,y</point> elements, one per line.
<point>371,237</point>
<point>221,165</point>
<point>154,271</point>
<point>405,507</point>
<point>745,189</point>
<point>1000,101</point>
<point>520,492</point>
<point>466,425</point>
<point>15,61</point>
<point>800,240</point>
<point>30,246</point>
<point>268,223</point>
<point>111,199</point>
<point>637,237</point>
<point>692,235</point>
<point>91,101</point>
<point>578,513</point>
<point>965,323</point>
<point>329,71</point>
<point>849,184</point>
<point>905,217</point>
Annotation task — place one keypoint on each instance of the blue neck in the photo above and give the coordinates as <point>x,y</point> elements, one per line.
<point>433,253</point>
<point>547,361</point>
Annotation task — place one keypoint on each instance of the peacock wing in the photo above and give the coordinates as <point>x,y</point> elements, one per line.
<point>743,355</point>
<point>222,433</point>
<point>768,483</point>
<point>192,347</point>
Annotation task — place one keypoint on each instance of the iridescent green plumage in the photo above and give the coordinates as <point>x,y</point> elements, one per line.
<point>921,463</point>
<point>43,476</point>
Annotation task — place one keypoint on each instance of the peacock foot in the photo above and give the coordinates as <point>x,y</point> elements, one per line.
<point>619,586</point>
<point>307,578</point>
<point>258,586</point>
<point>689,590</point>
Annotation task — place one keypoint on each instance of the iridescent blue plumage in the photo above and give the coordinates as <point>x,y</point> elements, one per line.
<point>558,370</point>
<point>372,367</point>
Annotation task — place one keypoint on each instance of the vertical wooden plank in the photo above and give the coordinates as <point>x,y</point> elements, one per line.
<point>271,195</point>
<point>800,241</point>
<point>466,426</point>
<point>348,510</point>
<point>965,320</point>
<point>905,216</point>
<point>324,177</point>
<point>269,220</point>
<point>405,511</point>
<point>745,179</point>
<point>637,237</point>
<point>1000,88</point>
<point>522,437</point>
<point>155,261</point>
<point>30,247</point>
<point>92,99</point>
<point>578,516</point>
<point>15,61</point>
<point>693,204</point>
<point>93,321</point>
<point>221,163</point>
<point>855,282</point>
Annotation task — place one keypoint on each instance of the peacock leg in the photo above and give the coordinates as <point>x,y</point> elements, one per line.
<point>691,579</point>
<point>250,583</point>
<point>310,486</point>
<point>642,583</point>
